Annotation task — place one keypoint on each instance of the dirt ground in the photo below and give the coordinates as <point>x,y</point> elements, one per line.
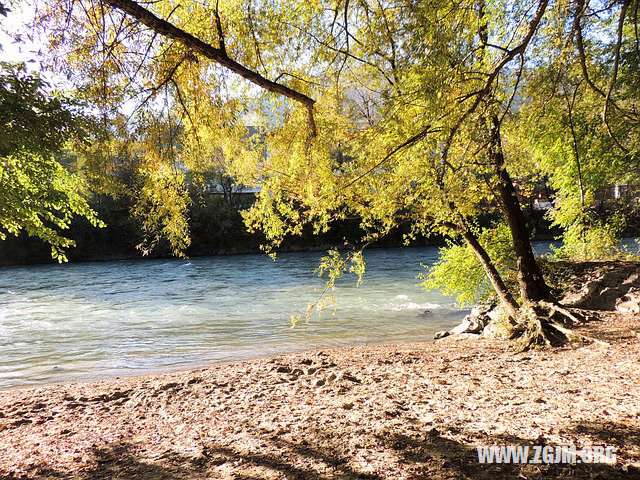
<point>411,411</point>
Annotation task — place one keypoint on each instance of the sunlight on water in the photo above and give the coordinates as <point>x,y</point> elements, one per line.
<point>66,322</point>
<point>88,320</point>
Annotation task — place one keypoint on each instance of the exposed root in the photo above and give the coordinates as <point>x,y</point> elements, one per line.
<point>556,308</point>
<point>572,334</point>
<point>537,332</point>
<point>540,326</point>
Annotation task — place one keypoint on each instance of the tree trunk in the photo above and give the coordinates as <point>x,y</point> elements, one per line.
<point>494,276</point>
<point>533,288</point>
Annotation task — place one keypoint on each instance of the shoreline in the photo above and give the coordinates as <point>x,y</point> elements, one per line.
<point>409,410</point>
<point>221,253</point>
<point>135,256</point>
<point>186,369</point>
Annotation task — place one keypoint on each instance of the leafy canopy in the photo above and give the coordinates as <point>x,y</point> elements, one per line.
<point>406,96</point>
<point>38,194</point>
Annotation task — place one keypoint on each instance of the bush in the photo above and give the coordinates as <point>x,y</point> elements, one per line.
<point>597,241</point>
<point>459,273</point>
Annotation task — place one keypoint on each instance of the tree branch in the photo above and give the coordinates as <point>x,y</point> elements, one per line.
<point>577,29</point>
<point>217,55</point>
<point>406,144</point>
<point>508,56</point>
<point>614,75</point>
<point>221,44</point>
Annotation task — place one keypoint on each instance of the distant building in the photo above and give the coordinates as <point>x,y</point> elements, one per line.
<point>213,187</point>
<point>627,192</point>
<point>542,204</point>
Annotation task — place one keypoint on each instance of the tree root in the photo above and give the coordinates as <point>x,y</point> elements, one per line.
<point>572,334</point>
<point>537,332</point>
<point>556,308</point>
<point>541,325</point>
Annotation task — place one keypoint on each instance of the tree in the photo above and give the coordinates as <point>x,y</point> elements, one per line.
<point>391,112</point>
<point>37,194</point>
<point>571,134</point>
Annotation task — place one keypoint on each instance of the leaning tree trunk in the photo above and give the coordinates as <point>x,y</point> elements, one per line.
<point>533,288</point>
<point>492,272</point>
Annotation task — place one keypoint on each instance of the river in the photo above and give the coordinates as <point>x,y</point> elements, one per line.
<point>107,319</point>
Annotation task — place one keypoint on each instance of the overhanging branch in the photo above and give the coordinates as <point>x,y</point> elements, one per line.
<point>216,54</point>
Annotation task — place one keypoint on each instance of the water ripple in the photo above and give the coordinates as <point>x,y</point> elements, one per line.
<point>95,319</point>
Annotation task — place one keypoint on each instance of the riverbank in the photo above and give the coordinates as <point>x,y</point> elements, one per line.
<point>375,412</point>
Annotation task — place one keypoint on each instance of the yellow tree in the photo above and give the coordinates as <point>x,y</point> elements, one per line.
<point>387,111</point>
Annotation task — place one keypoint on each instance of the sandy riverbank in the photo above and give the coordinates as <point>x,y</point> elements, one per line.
<point>392,412</point>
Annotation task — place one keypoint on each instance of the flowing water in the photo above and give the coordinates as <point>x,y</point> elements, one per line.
<point>95,320</point>
<point>84,320</point>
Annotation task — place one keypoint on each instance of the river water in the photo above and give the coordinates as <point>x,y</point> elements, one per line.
<point>107,319</point>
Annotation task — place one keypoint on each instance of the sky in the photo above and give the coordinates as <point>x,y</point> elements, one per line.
<point>14,23</point>
<point>27,50</point>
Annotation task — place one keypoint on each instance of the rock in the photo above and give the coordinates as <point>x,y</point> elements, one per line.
<point>497,326</point>
<point>630,302</point>
<point>441,334</point>
<point>495,314</point>
<point>482,309</point>
<point>475,322</point>
<point>476,325</point>
<point>572,299</point>
<point>609,294</point>
<point>462,328</point>
<point>491,331</point>
<point>603,289</point>
<point>283,369</point>
<point>319,383</point>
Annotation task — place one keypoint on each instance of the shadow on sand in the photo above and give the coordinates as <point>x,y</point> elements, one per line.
<point>428,455</point>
